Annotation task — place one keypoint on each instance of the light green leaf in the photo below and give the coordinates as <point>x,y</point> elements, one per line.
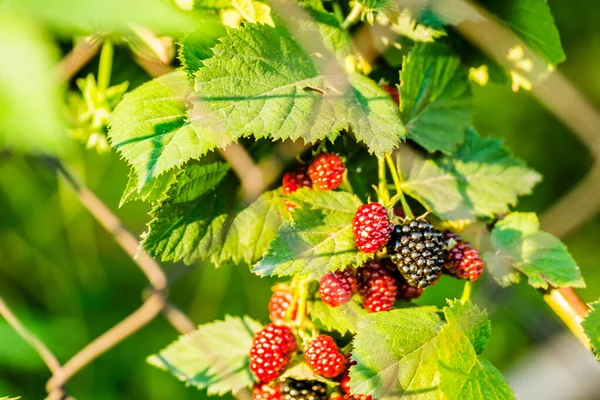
<point>435,97</point>
<point>591,327</point>
<point>532,21</point>
<point>519,243</point>
<point>190,224</point>
<point>151,130</point>
<point>319,239</point>
<point>106,15</point>
<point>396,355</point>
<point>245,90</point>
<point>462,375</point>
<point>480,179</point>
<point>197,46</point>
<point>213,357</point>
<point>254,11</point>
<point>301,371</point>
<point>343,318</point>
<point>30,118</point>
<point>253,229</point>
<point>472,321</point>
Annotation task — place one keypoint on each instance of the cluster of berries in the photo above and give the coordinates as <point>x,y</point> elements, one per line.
<point>325,172</point>
<point>272,350</point>
<point>420,252</point>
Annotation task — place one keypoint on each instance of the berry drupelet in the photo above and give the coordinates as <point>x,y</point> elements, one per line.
<point>417,249</point>
<point>464,262</point>
<point>262,391</point>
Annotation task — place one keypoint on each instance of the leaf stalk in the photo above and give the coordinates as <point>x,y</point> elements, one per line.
<point>398,179</point>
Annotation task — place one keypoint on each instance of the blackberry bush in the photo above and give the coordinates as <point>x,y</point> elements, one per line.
<point>255,88</point>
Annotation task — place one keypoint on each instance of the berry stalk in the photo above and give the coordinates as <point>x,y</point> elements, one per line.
<point>397,177</point>
<point>466,294</point>
<point>382,188</point>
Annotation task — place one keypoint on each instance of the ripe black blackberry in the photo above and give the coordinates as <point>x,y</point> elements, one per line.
<point>417,250</point>
<point>292,389</point>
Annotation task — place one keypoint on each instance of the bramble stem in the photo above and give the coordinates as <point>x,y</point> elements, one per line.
<point>466,295</point>
<point>105,65</point>
<point>295,293</point>
<point>302,294</point>
<point>397,177</point>
<point>570,309</point>
<point>353,16</point>
<point>382,187</point>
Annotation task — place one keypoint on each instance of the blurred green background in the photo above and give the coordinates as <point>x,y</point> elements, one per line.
<point>69,282</point>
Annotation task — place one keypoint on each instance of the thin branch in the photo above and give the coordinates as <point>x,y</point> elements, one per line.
<point>78,57</point>
<point>127,327</point>
<point>570,309</point>
<point>113,225</point>
<point>44,352</point>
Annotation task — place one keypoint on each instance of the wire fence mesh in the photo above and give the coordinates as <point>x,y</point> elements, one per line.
<point>555,92</point>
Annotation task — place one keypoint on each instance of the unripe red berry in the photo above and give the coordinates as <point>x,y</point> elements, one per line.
<point>324,357</point>
<point>464,262</point>
<point>280,302</point>
<point>271,351</point>
<point>377,285</point>
<point>327,171</point>
<point>262,391</point>
<point>371,227</point>
<point>337,287</point>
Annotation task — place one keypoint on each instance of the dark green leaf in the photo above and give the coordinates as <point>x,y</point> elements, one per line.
<point>190,224</point>
<point>152,191</point>
<point>151,130</point>
<point>480,179</point>
<point>435,97</point>
<point>519,243</point>
<point>244,90</point>
<point>591,326</point>
<point>532,21</point>
<point>213,357</point>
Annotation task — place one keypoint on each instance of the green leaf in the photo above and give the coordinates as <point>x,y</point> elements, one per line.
<point>190,224</point>
<point>301,371</point>
<point>472,321</point>
<point>213,357</point>
<point>152,191</point>
<point>519,243</point>
<point>435,97</point>
<point>319,239</point>
<point>254,11</point>
<point>244,90</point>
<point>253,229</point>
<point>30,118</point>
<point>462,375</point>
<point>343,318</point>
<point>151,130</point>
<point>106,15</point>
<point>197,46</point>
<point>480,179</point>
<point>532,21</point>
<point>591,327</point>
<point>396,355</point>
